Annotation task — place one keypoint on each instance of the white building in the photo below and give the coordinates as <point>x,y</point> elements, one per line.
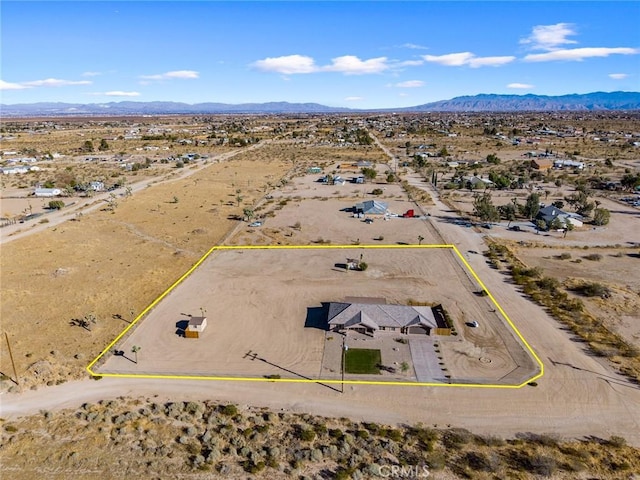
<point>47,192</point>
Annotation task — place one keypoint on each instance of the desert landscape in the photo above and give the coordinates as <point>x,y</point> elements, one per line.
<point>72,284</point>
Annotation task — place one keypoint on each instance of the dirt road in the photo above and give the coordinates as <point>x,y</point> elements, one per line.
<point>87,205</point>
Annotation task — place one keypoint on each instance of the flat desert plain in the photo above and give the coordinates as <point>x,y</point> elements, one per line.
<point>578,395</point>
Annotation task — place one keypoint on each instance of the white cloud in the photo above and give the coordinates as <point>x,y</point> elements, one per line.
<point>523,86</point>
<point>618,76</point>
<point>117,93</point>
<point>352,65</point>
<point>181,74</point>
<point>468,58</point>
<point>11,86</point>
<point>354,99</point>
<point>549,37</point>
<point>578,54</point>
<point>414,46</point>
<point>490,61</point>
<point>56,82</point>
<point>451,59</point>
<point>295,64</point>
<point>410,84</point>
<point>91,74</point>
<point>410,63</point>
<point>288,64</point>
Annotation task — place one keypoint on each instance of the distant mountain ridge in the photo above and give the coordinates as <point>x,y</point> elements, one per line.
<point>160,108</point>
<point>508,103</point>
<point>475,103</point>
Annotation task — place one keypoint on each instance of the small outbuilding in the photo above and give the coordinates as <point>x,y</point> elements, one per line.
<point>541,164</point>
<point>196,327</point>
<point>371,207</point>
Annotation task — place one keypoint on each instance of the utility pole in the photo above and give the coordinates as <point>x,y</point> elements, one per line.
<point>13,364</point>
<point>344,354</point>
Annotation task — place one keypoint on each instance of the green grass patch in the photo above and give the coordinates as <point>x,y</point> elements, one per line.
<point>362,361</point>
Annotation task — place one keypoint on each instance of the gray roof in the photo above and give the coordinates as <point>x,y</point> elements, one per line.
<point>196,321</point>
<point>375,316</point>
<point>372,207</point>
<point>550,213</point>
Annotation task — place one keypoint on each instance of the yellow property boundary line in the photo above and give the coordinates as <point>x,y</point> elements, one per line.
<point>293,380</point>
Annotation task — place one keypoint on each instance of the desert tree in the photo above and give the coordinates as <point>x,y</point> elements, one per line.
<point>369,173</point>
<point>112,203</point>
<point>568,227</point>
<point>484,208</point>
<point>532,206</point>
<point>87,146</point>
<point>420,239</point>
<point>601,216</point>
<point>135,349</point>
<point>508,212</point>
<point>248,213</point>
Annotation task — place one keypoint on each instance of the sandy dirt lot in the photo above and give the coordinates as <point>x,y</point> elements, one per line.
<point>257,301</point>
<point>614,268</point>
<point>113,264</point>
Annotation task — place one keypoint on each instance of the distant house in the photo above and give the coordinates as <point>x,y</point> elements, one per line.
<point>378,319</point>
<point>550,214</point>
<point>196,326</point>
<point>541,164</point>
<point>337,180</point>
<point>568,164</point>
<point>478,182</point>
<point>22,160</point>
<point>371,207</point>
<point>97,186</point>
<point>314,170</point>
<point>47,192</point>
<point>14,170</point>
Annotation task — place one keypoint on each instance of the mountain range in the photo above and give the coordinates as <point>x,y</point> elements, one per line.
<point>475,103</point>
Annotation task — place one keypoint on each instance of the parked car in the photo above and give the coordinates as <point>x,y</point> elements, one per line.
<point>255,224</point>
<point>515,228</point>
<point>474,324</point>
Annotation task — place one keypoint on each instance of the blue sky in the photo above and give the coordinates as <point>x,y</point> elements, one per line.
<point>354,54</point>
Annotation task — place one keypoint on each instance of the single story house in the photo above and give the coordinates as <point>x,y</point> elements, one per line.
<point>478,182</point>
<point>196,327</point>
<point>371,207</point>
<point>550,213</point>
<point>314,170</point>
<point>47,192</point>
<point>376,319</point>
<point>541,164</point>
<point>568,164</point>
